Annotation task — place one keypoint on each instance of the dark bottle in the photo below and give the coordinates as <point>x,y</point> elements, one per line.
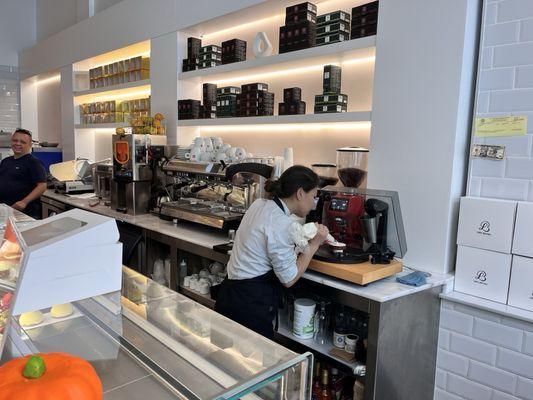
<point>316,391</point>
<point>326,390</point>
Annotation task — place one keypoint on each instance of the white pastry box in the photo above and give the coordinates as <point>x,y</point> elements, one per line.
<point>68,257</point>
<point>486,223</point>
<point>521,288</point>
<point>483,273</point>
<point>523,231</point>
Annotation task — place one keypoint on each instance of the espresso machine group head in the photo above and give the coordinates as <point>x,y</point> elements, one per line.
<point>368,221</point>
<point>132,175</point>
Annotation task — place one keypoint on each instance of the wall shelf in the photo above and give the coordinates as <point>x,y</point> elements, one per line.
<point>348,52</point>
<point>112,125</point>
<point>123,88</point>
<point>347,117</point>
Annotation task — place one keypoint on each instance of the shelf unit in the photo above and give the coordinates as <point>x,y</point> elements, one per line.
<point>120,89</point>
<point>203,299</point>
<point>324,349</point>
<point>350,51</point>
<point>347,117</point>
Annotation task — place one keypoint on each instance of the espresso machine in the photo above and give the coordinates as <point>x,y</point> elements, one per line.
<point>212,194</point>
<point>368,222</point>
<point>132,175</point>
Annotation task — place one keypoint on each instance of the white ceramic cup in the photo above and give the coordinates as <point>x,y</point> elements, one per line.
<point>203,273</point>
<point>350,343</point>
<point>225,147</point>
<point>240,154</point>
<point>221,156</point>
<point>187,281</point>
<point>208,144</point>
<point>232,153</point>
<point>195,154</point>
<point>217,142</point>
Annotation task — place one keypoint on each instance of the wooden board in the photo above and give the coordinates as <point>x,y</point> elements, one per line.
<point>361,274</point>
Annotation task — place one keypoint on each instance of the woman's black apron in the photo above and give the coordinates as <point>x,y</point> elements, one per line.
<point>252,302</point>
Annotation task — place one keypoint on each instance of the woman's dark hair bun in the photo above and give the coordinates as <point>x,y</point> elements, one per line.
<point>291,180</point>
<point>272,186</point>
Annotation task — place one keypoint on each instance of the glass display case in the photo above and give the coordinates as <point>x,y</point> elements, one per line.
<point>161,345</point>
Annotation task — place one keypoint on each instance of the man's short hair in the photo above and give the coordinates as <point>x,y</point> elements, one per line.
<point>24,131</point>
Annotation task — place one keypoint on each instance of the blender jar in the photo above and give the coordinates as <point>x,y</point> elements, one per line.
<point>352,164</point>
<point>327,174</point>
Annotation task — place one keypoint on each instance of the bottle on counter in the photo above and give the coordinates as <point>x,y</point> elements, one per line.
<point>325,392</point>
<point>316,390</point>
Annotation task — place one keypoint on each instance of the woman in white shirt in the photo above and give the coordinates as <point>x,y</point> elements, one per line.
<point>264,253</point>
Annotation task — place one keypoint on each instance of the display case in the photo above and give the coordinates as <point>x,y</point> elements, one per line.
<point>159,345</point>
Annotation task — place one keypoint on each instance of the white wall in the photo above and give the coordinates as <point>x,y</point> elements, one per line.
<point>17,29</point>
<point>53,16</point>
<point>49,111</point>
<point>422,101</point>
<point>481,354</point>
<point>127,22</point>
<point>506,87</point>
<point>100,5</point>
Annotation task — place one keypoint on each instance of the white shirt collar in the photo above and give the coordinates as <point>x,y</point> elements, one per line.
<point>286,210</point>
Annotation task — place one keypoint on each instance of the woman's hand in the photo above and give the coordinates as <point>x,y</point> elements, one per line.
<point>320,236</point>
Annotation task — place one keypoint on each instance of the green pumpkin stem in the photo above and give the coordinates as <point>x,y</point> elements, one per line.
<point>34,368</point>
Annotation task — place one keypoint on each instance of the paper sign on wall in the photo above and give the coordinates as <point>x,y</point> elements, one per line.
<point>514,125</point>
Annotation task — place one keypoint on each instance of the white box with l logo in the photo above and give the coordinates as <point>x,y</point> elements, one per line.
<point>486,223</point>
<point>521,288</point>
<point>523,231</point>
<point>483,273</point>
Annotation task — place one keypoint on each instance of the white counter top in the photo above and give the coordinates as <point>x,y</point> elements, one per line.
<point>383,290</point>
<point>380,291</point>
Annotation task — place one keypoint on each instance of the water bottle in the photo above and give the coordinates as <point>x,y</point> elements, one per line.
<point>321,324</point>
<point>182,271</point>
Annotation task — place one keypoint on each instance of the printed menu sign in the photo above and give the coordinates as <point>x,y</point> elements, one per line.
<point>515,125</point>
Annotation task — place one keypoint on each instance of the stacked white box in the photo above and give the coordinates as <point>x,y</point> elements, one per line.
<point>485,238</point>
<point>521,287</point>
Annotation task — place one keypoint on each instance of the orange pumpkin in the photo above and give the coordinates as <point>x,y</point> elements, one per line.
<point>49,376</point>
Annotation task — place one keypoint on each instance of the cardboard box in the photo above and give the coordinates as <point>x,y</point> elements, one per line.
<point>483,273</point>
<point>486,223</point>
<point>521,287</point>
<point>523,230</point>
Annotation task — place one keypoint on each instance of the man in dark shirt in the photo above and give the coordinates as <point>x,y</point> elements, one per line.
<point>22,176</point>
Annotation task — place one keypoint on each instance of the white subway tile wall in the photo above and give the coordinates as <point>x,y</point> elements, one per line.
<point>9,98</point>
<point>483,356</point>
<point>505,86</point>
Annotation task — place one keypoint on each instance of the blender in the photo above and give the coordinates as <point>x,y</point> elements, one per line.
<point>352,163</point>
<point>327,174</point>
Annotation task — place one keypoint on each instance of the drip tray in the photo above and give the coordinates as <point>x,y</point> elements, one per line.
<point>347,256</point>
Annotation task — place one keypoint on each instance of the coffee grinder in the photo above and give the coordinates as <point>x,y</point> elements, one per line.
<point>367,221</point>
<point>132,175</point>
